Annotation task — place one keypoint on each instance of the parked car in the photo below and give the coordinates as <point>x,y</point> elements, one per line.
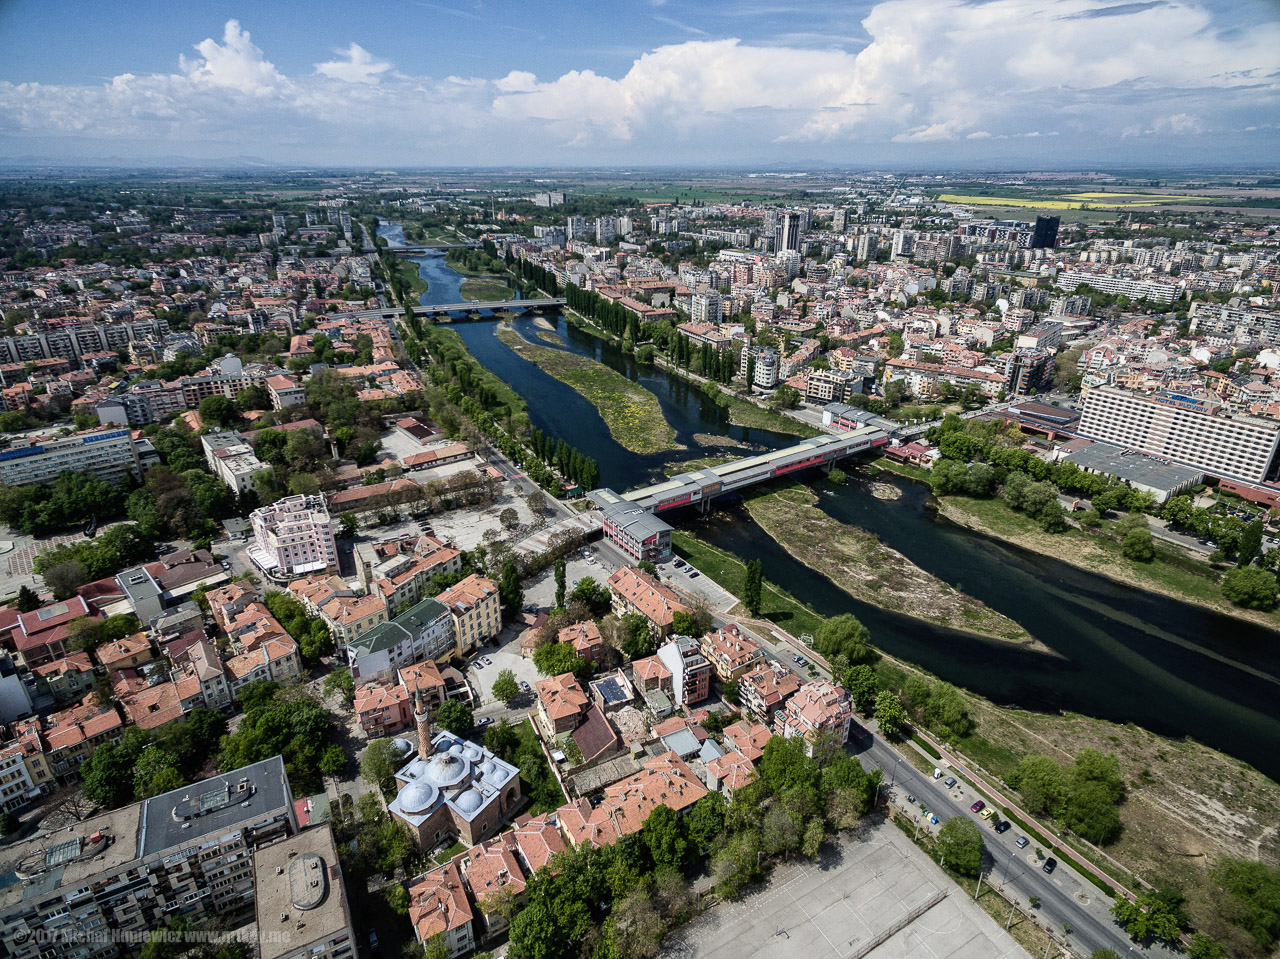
<point>1023,842</point>
<point>487,661</point>
<point>987,813</point>
<point>951,781</point>
<point>478,664</point>
<point>1050,864</point>
<point>677,562</point>
<point>1002,826</point>
<point>910,798</point>
<point>524,685</point>
<point>694,575</point>
<point>978,806</point>
<point>484,721</point>
<point>937,773</point>
<point>933,819</point>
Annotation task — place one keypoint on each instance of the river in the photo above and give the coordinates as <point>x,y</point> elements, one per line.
<point>1123,654</point>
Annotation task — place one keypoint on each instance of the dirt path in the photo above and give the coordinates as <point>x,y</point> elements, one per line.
<point>868,570</point>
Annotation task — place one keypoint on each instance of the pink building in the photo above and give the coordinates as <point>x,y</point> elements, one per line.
<point>816,706</point>
<point>294,536</point>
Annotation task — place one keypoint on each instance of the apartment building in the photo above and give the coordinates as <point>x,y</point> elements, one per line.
<point>293,536</point>
<point>302,908</point>
<point>1185,429</point>
<point>730,652</point>
<point>277,660</point>
<point>690,670</point>
<point>231,459</point>
<point>350,617</point>
<point>706,308</point>
<point>1158,291</point>
<point>476,609</point>
<point>765,371</point>
<point>111,879</point>
<point>831,386</point>
<point>635,591</point>
<point>74,342</point>
<point>426,631</point>
<point>815,708</point>
<point>108,452</point>
<point>664,781</point>
<point>285,391</point>
<point>438,905</point>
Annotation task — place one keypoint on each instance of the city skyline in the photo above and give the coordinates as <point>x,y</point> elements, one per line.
<point>419,84</point>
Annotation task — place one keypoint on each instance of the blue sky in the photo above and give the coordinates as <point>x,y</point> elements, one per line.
<point>644,82</point>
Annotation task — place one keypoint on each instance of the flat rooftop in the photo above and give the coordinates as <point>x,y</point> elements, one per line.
<point>244,795</point>
<point>46,862</point>
<point>1135,467</point>
<point>300,879</point>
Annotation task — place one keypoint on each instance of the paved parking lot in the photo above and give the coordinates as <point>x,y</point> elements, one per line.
<point>877,896</point>
<point>508,657</point>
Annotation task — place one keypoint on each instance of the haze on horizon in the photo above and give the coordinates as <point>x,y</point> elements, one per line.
<point>1000,83</point>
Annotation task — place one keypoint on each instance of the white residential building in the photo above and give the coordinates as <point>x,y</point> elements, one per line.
<point>109,452</point>
<point>232,459</point>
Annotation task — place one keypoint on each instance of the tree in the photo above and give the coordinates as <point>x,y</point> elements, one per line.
<point>1204,947</point>
<point>27,600</point>
<point>505,686</point>
<point>1137,545</point>
<point>1104,954</point>
<point>1041,783</point>
<point>455,716</point>
<point>349,524</point>
<point>510,590</point>
<point>863,687</point>
<point>751,591</point>
<point>1252,899</point>
<point>889,713</point>
<point>639,642</point>
<point>1250,543</point>
<point>553,658</point>
<point>592,595</point>
<point>705,821</point>
<point>960,845</point>
<point>218,411</point>
<point>333,761</point>
<point>508,517</point>
<point>379,763</point>
<point>1248,586</point>
<point>664,838</point>
<point>502,740</point>
<point>837,476</point>
<point>107,774</point>
<point>560,573</point>
<point>537,501</point>
<point>1153,915</point>
<point>65,578</point>
<point>397,898</point>
<point>842,635</point>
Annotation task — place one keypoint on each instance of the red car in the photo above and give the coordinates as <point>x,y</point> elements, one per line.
<point>978,806</point>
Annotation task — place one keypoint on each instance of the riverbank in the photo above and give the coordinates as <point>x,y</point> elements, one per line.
<point>1187,807</point>
<point>407,270</point>
<point>1170,574</point>
<point>869,571</point>
<point>484,288</point>
<point>632,414</point>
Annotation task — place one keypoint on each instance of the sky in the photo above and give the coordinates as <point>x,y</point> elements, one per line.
<point>633,83</point>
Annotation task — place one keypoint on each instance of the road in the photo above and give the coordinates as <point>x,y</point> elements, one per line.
<point>1065,897</point>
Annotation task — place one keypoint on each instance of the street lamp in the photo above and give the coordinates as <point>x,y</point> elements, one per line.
<point>893,776</point>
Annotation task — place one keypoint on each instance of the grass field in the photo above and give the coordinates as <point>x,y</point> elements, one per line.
<point>1073,201</point>
<point>742,413</point>
<point>408,271</point>
<point>484,288</point>
<point>631,412</point>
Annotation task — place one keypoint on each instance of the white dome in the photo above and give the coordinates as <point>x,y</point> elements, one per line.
<point>456,749</point>
<point>473,752</point>
<point>469,801</point>
<point>444,770</point>
<point>487,767</point>
<point>418,797</point>
<point>402,746</point>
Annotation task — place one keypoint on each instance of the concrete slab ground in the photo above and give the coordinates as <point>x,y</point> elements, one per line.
<point>876,896</point>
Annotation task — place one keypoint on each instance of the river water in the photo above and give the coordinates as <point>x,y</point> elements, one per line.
<point>1122,654</point>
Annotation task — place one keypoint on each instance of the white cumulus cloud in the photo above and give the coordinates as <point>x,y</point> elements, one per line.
<point>234,63</point>
<point>356,66</point>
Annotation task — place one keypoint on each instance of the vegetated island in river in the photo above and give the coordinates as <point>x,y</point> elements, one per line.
<point>869,571</point>
<point>631,412</point>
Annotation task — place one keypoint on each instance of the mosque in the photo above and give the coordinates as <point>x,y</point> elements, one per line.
<point>452,787</point>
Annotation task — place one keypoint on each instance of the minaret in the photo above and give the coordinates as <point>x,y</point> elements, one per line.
<point>422,715</point>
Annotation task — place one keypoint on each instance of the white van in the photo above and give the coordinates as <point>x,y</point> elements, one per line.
<point>937,773</point>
